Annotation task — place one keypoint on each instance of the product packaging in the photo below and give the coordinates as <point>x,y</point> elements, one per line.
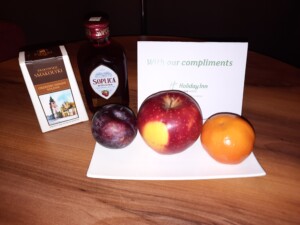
<point>52,86</point>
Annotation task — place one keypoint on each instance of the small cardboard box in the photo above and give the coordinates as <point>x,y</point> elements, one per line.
<point>52,86</point>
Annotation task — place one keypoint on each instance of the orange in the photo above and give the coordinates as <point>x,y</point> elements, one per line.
<point>228,138</point>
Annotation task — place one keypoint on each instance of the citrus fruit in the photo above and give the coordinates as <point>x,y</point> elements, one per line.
<point>228,138</point>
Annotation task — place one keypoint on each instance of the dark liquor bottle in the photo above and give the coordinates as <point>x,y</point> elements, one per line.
<point>102,66</point>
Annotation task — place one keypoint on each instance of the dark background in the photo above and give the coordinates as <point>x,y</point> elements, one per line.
<point>270,27</point>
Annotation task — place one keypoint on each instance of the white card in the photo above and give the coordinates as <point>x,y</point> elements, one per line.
<point>212,72</point>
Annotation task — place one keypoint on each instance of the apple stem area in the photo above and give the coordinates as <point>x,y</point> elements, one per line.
<point>171,102</point>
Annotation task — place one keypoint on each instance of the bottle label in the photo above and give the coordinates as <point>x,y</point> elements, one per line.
<point>104,81</point>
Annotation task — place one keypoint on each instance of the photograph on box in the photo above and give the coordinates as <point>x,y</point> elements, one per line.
<point>59,106</point>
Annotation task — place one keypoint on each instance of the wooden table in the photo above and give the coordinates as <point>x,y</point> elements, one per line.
<point>43,176</point>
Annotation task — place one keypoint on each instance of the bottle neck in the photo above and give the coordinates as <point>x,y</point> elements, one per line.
<point>97,31</point>
<point>99,43</point>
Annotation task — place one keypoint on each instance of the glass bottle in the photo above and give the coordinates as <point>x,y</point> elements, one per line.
<point>102,66</point>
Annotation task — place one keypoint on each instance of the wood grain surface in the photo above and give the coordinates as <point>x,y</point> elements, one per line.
<point>43,176</point>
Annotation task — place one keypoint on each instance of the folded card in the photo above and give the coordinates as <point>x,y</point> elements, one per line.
<point>211,72</point>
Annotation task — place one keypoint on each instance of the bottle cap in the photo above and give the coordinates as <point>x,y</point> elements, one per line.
<point>97,27</point>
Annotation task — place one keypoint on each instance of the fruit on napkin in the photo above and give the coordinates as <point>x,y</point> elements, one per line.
<point>169,121</point>
<point>228,138</point>
<point>114,126</point>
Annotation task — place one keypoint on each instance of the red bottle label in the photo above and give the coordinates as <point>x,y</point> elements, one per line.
<point>104,81</point>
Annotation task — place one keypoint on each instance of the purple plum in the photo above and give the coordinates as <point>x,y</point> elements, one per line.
<point>114,126</point>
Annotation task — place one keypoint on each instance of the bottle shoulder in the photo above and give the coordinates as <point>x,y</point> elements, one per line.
<point>110,50</point>
<point>111,56</point>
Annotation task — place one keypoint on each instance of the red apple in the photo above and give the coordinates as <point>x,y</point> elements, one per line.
<point>169,121</point>
<point>114,126</point>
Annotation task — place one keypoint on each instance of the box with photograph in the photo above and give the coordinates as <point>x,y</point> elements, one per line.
<point>52,86</point>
